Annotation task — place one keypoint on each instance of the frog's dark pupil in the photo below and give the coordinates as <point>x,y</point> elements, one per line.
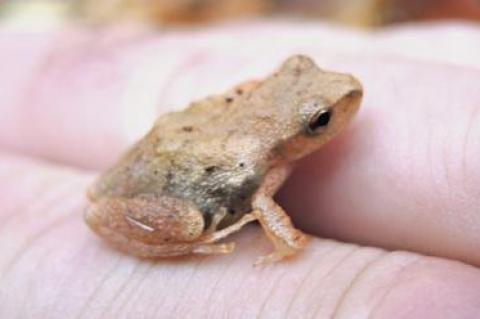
<point>321,120</point>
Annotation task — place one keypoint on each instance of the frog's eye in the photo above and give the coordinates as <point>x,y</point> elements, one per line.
<point>319,121</point>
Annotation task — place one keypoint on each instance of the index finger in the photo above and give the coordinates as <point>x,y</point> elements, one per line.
<point>81,97</point>
<point>402,176</point>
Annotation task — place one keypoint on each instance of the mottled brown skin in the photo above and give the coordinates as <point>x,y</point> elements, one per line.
<point>203,173</point>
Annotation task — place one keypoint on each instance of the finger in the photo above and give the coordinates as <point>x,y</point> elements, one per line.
<point>360,210</point>
<point>405,174</point>
<point>51,262</point>
<point>81,97</point>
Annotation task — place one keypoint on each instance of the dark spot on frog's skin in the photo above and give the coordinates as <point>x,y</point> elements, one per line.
<point>155,172</point>
<point>187,128</point>
<point>239,91</point>
<point>211,169</point>
<point>300,93</point>
<point>218,192</point>
<point>241,165</point>
<point>229,99</point>
<point>169,176</point>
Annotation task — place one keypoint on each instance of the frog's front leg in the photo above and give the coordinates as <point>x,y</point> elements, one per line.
<point>286,239</point>
<point>152,226</point>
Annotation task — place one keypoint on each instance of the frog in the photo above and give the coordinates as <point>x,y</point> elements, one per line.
<point>202,173</point>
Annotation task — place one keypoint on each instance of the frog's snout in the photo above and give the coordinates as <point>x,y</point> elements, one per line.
<point>355,94</point>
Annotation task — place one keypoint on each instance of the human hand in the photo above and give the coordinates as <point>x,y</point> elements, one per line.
<point>403,176</point>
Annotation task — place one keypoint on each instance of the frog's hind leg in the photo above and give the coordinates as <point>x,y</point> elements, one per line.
<point>152,226</point>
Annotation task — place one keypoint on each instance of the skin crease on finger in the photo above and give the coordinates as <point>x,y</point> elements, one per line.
<point>45,244</point>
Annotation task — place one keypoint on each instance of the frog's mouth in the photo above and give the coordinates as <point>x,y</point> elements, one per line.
<point>344,110</point>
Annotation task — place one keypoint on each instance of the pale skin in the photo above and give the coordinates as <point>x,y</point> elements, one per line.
<point>53,264</point>
<point>161,199</point>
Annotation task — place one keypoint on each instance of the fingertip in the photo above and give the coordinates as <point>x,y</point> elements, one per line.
<point>433,289</point>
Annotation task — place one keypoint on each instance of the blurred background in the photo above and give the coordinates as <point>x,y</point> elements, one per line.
<point>363,13</point>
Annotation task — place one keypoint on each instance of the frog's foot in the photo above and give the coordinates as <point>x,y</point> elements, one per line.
<point>268,259</point>
<point>282,251</point>
<point>286,239</point>
<point>209,249</point>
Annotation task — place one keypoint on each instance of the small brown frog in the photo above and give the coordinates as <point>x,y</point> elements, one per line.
<point>201,174</point>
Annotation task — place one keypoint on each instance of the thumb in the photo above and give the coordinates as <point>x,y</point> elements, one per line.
<point>53,263</point>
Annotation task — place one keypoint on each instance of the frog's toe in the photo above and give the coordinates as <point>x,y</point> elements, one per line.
<point>269,259</point>
<point>208,249</point>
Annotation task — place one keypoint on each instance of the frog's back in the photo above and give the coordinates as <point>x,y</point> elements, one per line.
<point>196,156</point>
<point>212,166</point>
<point>216,152</point>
